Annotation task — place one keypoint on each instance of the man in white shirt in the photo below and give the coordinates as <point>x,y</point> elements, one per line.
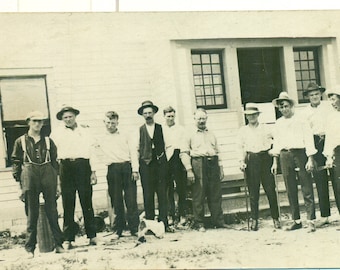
<point>76,153</point>
<point>332,141</point>
<point>294,144</point>
<point>315,114</point>
<point>122,173</point>
<point>255,141</point>
<point>173,137</point>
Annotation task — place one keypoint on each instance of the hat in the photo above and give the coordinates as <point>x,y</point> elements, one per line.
<point>147,104</point>
<point>66,108</point>
<point>35,115</point>
<point>251,108</point>
<point>282,96</point>
<point>312,87</point>
<point>336,91</point>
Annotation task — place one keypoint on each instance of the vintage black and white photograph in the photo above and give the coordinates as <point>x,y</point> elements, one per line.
<point>141,137</point>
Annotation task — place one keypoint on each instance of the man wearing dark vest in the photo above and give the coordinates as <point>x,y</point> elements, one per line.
<point>153,164</point>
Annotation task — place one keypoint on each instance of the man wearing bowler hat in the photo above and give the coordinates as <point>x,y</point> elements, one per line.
<point>35,167</point>
<point>255,141</point>
<point>76,152</point>
<point>293,143</point>
<point>315,114</point>
<point>153,164</point>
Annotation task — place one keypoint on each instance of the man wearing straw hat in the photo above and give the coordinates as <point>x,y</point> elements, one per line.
<point>293,143</point>
<point>255,141</point>
<point>315,114</point>
<point>332,141</point>
<point>35,167</point>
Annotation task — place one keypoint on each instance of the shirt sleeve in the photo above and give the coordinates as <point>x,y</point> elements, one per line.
<point>329,141</point>
<point>309,139</point>
<point>275,151</point>
<point>133,148</point>
<point>17,159</point>
<point>53,154</point>
<point>185,153</point>
<point>240,144</point>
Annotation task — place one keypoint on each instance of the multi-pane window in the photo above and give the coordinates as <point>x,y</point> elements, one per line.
<point>208,79</point>
<point>306,69</point>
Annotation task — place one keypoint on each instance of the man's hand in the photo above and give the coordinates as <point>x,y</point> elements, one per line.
<point>329,162</point>
<point>135,176</point>
<point>21,195</point>
<point>273,169</point>
<point>190,176</point>
<point>221,173</point>
<point>243,165</point>
<point>93,178</point>
<point>310,164</point>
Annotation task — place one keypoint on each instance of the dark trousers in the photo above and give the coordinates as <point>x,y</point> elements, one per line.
<point>258,172</point>
<point>336,176</point>
<point>176,172</point>
<point>291,160</point>
<point>40,179</point>
<point>207,185</point>
<point>153,177</point>
<point>119,180</point>
<point>75,176</point>
<point>321,178</point>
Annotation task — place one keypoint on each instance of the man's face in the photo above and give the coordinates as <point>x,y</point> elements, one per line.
<point>201,120</point>
<point>111,124</point>
<point>69,119</point>
<point>252,118</point>
<point>148,114</point>
<point>314,97</point>
<point>286,109</point>
<point>35,124</point>
<point>170,118</point>
<point>335,101</point>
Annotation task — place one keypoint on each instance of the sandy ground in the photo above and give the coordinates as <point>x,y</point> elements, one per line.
<point>216,248</point>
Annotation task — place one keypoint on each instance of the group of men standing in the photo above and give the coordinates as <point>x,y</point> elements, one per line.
<point>307,146</point>
<point>66,164</point>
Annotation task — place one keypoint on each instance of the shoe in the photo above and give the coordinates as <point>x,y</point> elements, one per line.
<point>311,226</point>
<point>170,221</point>
<point>254,225</point>
<point>277,224</point>
<point>295,226</point>
<point>93,241</point>
<point>169,229</point>
<point>68,245</point>
<point>201,228</point>
<point>59,249</point>
<point>182,221</point>
<point>324,221</point>
<point>222,226</point>
<point>134,233</point>
<point>29,255</point>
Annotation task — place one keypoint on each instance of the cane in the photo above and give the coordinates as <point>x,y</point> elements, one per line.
<point>277,196</point>
<point>246,196</point>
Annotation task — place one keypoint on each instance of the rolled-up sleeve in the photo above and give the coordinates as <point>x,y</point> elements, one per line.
<point>185,152</point>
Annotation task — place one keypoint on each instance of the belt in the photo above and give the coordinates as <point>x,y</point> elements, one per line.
<point>258,153</point>
<point>292,149</point>
<point>74,159</point>
<point>209,158</point>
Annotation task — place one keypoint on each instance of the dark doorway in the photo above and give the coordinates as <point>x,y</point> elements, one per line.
<point>260,74</point>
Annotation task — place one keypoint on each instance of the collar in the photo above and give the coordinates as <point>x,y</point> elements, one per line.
<point>66,127</point>
<point>200,130</point>
<point>109,133</point>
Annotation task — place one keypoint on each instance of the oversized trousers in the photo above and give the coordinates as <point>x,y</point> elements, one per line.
<point>75,176</point>
<point>293,163</point>
<point>258,172</point>
<point>336,178</point>
<point>40,179</point>
<point>207,185</point>
<point>122,188</point>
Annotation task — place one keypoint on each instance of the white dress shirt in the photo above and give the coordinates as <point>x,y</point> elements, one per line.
<point>292,133</point>
<point>332,133</point>
<point>173,137</point>
<point>118,148</point>
<point>254,139</point>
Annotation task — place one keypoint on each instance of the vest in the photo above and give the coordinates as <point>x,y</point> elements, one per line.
<point>146,153</point>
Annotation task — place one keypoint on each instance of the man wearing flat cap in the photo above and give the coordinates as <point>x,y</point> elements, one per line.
<point>294,144</point>
<point>255,140</point>
<point>332,141</point>
<point>315,114</point>
<point>153,164</point>
<point>35,166</point>
<point>76,153</point>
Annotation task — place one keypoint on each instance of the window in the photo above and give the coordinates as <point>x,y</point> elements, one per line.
<point>208,79</point>
<point>19,96</point>
<point>306,69</point>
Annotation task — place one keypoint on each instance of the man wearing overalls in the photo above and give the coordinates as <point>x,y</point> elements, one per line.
<point>35,166</point>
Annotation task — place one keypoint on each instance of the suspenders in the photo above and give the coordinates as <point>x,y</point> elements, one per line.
<point>48,155</point>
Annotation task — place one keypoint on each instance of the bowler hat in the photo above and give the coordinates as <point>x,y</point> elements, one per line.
<point>147,104</point>
<point>251,108</point>
<point>335,91</point>
<point>35,115</point>
<point>283,96</point>
<point>66,108</point>
<point>312,87</point>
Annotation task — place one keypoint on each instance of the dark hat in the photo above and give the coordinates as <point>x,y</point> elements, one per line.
<point>251,108</point>
<point>283,96</point>
<point>312,87</point>
<point>66,108</point>
<point>147,104</point>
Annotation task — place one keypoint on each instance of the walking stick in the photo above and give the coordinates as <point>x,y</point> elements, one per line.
<point>246,196</point>
<point>277,196</point>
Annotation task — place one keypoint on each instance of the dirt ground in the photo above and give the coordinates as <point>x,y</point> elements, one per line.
<point>189,249</point>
